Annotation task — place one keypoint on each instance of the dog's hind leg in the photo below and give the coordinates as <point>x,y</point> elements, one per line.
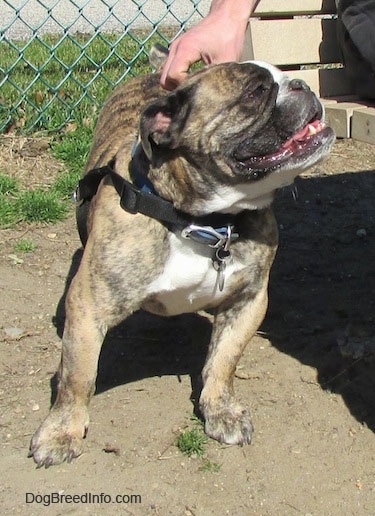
<point>60,436</point>
<point>225,419</point>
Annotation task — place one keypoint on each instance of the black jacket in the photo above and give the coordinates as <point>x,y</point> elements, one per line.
<point>356,36</point>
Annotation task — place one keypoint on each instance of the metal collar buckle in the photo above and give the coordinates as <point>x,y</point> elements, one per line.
<point>76,196</point>
<point>215,238</point>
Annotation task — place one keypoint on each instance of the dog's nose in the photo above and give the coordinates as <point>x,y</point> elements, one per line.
<point>298,84</point>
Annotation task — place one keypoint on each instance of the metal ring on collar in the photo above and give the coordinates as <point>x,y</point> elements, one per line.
<point>216,238</point>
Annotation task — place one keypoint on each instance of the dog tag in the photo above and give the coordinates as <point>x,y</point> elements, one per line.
<point>221,275</point>
<point>220,263</point>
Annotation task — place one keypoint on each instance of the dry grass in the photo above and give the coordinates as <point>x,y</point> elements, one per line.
<point>29,160</point>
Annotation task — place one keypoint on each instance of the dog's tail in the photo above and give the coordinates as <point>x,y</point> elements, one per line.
<point>158,56</point>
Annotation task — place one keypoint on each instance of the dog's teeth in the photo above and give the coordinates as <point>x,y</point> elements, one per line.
<point>311,130</point>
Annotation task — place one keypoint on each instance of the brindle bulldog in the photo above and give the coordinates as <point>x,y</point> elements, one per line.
<point>177,194</point>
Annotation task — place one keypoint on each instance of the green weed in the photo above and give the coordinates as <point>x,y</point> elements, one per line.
<point>73,147</point>
<point>210,467</point>
<point>191,442</point>
<point>8,212</point>
<point>8,185</point>
<point>24,246</point>
<point>40,206</point>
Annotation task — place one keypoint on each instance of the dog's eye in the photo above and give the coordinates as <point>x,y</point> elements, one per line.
<point>256,93</point>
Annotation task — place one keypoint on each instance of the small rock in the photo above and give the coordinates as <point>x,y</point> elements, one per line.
<point>15,259</point>
<point>13,332</point>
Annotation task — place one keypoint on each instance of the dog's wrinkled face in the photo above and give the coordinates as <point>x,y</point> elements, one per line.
<point>245,120</point>
<point>293,132</point>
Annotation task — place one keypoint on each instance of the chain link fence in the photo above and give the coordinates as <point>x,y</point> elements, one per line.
<point>59,59</point>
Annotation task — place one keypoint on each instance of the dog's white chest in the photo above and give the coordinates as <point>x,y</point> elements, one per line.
<point>189,281</point>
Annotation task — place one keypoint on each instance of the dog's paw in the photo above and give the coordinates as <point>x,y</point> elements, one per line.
<point>58,439</point>
<point>230,425</point>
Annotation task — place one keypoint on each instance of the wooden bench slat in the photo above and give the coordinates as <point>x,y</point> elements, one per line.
<point>293,7</point>
<point>295,41</point>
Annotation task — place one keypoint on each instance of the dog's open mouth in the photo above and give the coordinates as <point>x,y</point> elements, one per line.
<point>302,143</point>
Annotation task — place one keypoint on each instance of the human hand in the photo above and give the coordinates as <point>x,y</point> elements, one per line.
<point>218,38</point>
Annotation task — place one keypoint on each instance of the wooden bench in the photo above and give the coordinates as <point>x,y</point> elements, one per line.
<point>299,36</point>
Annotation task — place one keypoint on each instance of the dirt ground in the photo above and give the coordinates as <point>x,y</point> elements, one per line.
<point>308,377</point>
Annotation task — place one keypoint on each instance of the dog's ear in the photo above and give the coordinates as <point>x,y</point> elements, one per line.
<point>157,56</point>
<point>163,121</point>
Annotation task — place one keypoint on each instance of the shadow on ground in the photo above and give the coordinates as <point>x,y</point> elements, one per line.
<point>322,285</point>
<point>321,295</point>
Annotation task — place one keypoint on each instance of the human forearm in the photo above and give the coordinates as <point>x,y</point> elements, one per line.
<point>236,9</point>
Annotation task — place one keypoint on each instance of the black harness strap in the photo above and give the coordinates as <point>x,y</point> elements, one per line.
<point>134,200</point>
<point>89,184</point>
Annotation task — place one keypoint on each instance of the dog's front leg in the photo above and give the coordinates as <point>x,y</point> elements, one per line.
<point>225,419</point>
<point>60,436</point>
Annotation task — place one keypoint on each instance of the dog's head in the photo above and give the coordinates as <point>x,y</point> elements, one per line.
<point>242,129</point>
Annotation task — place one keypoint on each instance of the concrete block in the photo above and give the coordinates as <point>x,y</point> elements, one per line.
<point>363,125</point>
<point>339,117</point>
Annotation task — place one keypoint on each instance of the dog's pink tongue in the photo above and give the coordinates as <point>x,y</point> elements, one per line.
<point>309,130</point>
